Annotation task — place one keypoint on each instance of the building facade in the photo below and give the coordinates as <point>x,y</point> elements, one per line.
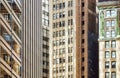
<point>109,39</point>
<point>73,39</point>
<point>10,38</point>
<point>32,39</point>
<point>45,30</point>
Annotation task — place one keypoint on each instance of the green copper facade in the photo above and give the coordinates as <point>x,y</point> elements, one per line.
<point>109,18</point>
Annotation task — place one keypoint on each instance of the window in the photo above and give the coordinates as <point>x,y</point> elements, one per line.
<point>63,32</point>
<point>70,12</point>
<point>83,4</point>
<point>107,44</point>
<point>108,13</point>
<point>57,60</point>
<point>83,68</point>
<point>113,13</point>
<point>63,50</point>
<point>83,76</point>
<point>55,0</point>
<point>113,33</point>
<point>107,75</point>
<point>107,64</point>
<point>57,6</point>
<point>113,64</point>
<point>54,7</point>
<point>64,5</point>
<point>70,31</point>
<point>83,59</point>
<point>113,55</point>
<point>57,52</point>
<point>54,16</point>
<point>83,50</point>
<point>113,44</point>
<point>70,3</point>
<point>113,22</point>
<point>57,34</point>
<point>70,49</point>
<point>54,43</point>
<point>60,51</point>
<point>57,15</point>
<point>60,7</point>
<point>113,75</point>
<point>83,13</point>
<point>69,58</point>
<point>83,22</point>
<point>108,34</point>
<point>83,31</point>
<point>60,69</point>
<point>70,40</point>
<point>6,57</point>
<point>7,16</point>
<point>107,54</point>
<point>70,68</point>
<point>108,23</point>
<point>83,41</point>
<point>70,22</point>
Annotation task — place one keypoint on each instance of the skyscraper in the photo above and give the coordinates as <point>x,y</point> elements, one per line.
<point>109,39</point>
<point>10,38</point>
<point>32,38</point>
<point>73,39</point>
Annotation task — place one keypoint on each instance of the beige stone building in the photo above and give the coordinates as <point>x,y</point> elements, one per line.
<point>109,39</point>
<point>10,38</point>
<point>73,39</point>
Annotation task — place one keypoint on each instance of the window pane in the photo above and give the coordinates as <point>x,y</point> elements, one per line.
<point>113,64</point>
<point>108,34</point>
<point>113,54</point>
<point>107,44</point>
<point>107,64</point>
<point>108,23</point>
<point>108,13</point>
<point>107,54</point>
<point>113,75</point>
<point>113,33</point>
<point>113,13</point>
<point>107,75</point>
<point>113,44</point>
<point>113,23</point>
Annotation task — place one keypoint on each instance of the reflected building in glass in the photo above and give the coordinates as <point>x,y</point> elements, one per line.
<point>10,38</point>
